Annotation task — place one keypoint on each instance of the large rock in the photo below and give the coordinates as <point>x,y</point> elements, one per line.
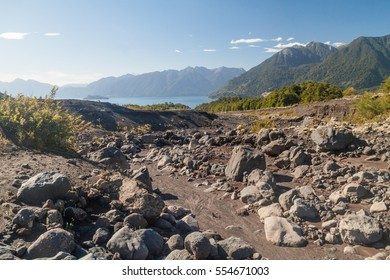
<point>197,244</point>
<point>128,244</point>
<point>179,255</point>
<point>360,229</point>
<point>251,194</point>
<point>152,240</point>
<point>286,200</point>
<point>329,138</point>
<point>140,200</point>
<point>355,190</point>
<point>50,244</point>
<point>244,159</point>
<point>142,175</point>
<point>274,148</point>
<point>235,248</point>
<point>43,186</point>
<point>271,210</point>
<point>281,233</point>
<point>111,157</point>
<point>303,209</point>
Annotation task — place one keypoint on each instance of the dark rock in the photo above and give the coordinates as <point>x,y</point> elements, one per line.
<point>235,248</point>
<point>197,244</point>
<point>244,160</point>
<point>101,236</point>
<point>153,241</point>
<point>329,138</point>
<point>111,157</point>
<point>135,221</point>
<point>274,148</point>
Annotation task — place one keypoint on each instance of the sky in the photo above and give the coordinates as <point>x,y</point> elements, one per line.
<point>80,41</point>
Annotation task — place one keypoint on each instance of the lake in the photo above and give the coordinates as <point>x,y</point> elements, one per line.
<point>191,101</point>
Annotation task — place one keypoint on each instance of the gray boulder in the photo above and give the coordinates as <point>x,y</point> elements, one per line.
<point>274,148</point>
<point>111,157</point>
<point>329,138</point>
<point>302,209</point>
<point>142,175</point>
<point>50,244</point>
<point>43,186</point>
<point>135,221</point>
<point>128,244</point>
<point>355,190</point>
<point>298,157</point>
<point>175,242</point>
<point>101,236</point>
<point>179,255</point>
<point>251,194</point>
<point>281,233</point>
<point>360,229</point>
<point>187,224</point>
<point>235,248</point>
<point>152,240</point>
<point>197,244</point>
<point>286,200</point>
<point>244,160</point>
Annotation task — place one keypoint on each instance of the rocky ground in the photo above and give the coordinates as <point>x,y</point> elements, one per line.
<point>203,187</point>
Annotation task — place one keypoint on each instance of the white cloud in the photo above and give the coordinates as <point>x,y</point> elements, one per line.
<point>290,39</point>
<point>13,35</point>
<point>178,51</point>
<point>271,50</point>
<point>234,48</point>
<point>277,39</point>
<point>52,34</point>
<point>282,46</point>
<point>247,41</point>
<point>253,46</point>
<point>335,44</point>
<point>209,50</point>
<point>339,44</point>
<point>288,45</point>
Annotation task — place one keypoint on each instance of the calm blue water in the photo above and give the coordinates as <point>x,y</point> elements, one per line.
<point>191,101</point>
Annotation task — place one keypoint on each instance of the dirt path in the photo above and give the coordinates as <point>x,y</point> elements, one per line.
<point>219,214</point>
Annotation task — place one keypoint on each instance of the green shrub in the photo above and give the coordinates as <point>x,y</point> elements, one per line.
<point>349,91</point>
<point>162,106</point>
<point>371,106</point>
<point>289,95</point>
<point>39,122</point>
<point>385,86</point>
<point>262,123</point>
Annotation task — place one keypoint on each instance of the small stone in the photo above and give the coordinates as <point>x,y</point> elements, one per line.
<point>378,207</point>
<point>175,242</point>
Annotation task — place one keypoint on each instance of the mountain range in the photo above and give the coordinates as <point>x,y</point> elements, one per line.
<point>363,64</point>
<point>189,81</point>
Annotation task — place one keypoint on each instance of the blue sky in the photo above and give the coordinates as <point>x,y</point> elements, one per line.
<point>78,41</point>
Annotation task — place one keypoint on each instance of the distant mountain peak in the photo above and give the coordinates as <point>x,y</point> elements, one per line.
<point>364,63</point>
<point>195,80</point>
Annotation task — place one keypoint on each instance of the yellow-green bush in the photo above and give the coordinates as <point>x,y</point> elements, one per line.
<point>39,122</point>
<point>371,106</point>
